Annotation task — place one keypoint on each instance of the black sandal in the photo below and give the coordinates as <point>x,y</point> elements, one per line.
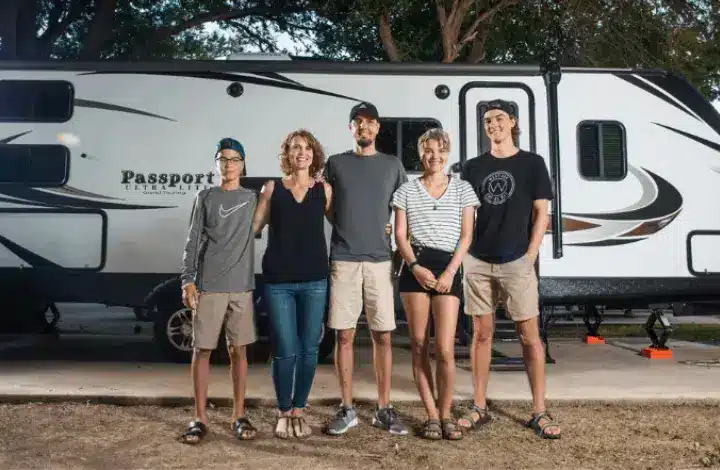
<point>243,429</point>
<point>450,430</point>
<point>484,417</point>
<point>534,423</point>
<point>195,433</point>
<point>432,430</point>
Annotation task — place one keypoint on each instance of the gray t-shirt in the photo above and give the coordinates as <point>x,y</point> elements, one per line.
<point>220,249</point>
<point>363,187</point>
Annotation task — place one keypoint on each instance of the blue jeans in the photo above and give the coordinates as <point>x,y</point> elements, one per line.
<point>296,312</point>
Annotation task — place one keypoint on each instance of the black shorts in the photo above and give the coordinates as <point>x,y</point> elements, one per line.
<point>436,261</point>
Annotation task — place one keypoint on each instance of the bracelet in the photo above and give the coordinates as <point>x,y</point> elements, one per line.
<point>412,265</point>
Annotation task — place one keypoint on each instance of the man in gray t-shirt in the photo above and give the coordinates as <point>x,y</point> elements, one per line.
<point>363,182</point>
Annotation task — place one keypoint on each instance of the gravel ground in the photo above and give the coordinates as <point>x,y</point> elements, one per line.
<point>627,436</point>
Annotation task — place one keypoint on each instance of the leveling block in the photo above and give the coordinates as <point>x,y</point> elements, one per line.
<point>592,339</point>
<point>657,353</point>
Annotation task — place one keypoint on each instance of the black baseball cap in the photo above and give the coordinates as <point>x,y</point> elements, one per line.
<point>364,108</point>
<point>501,105</point>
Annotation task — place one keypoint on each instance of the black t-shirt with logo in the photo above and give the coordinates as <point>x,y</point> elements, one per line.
<point>507,188</point>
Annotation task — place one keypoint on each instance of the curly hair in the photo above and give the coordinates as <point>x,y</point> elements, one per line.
<point>436,134</point>
<point>318,162</point>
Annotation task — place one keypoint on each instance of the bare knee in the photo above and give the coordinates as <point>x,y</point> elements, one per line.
<point>382,339</point>
<point>202,354</point>
<point>445,354</point>
<point>483,330</point>
<point>529,333</point>
<point>345,338</point>
<point>237,353</point>
<point>419,347</point>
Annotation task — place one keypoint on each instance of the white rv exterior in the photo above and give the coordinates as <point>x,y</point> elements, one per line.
<point>135,142</point>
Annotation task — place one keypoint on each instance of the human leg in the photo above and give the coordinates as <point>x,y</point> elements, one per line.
<point>207,324</point>
<point>379,302</point>
<point>240,332</point>
<point>345,307</point>
<point>311,303</point>
<point>281,304</point>
<point>417,310</point>
<point>480,302</point>
<point>445,312</point>
<point>522,305</point>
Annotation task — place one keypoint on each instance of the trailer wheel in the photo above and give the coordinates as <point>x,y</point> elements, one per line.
<point>172,328</point>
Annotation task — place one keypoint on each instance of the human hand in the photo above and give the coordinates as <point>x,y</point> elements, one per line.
<point>444,282</point>
<point>190,296</point>
<point>531,257</point>
<point>317,179</point>
<point>424,277</point>
<point>388,229</point>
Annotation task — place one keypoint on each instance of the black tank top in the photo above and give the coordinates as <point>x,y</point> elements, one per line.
<point>296,249</point>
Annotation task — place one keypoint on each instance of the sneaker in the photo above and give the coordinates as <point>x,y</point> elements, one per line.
<point>388,419</point>
<point>344,419</point>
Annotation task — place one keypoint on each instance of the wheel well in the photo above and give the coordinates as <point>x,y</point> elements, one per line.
<point>166,295</point>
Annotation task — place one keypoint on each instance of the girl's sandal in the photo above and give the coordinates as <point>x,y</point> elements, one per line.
<point>282,427</point>
<point>450,430</point>
<point>300,427</point>
<point>432,430</point>
<point>195,433</point>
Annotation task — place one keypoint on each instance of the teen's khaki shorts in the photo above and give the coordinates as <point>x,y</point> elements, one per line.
<point>233,310</point>
<point>358,284</point>
<point>514,284</point>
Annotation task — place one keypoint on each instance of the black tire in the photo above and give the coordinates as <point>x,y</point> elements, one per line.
<point>327,343</point>
<point>167,318</point>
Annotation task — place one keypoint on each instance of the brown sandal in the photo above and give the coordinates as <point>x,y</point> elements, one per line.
<point>432,430</point>
<point>300,427</point>
<point>450,430</point>
<point>483,414</point>
<point>280,433</point>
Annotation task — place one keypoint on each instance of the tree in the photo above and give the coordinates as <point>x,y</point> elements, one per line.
<point>146,29</point>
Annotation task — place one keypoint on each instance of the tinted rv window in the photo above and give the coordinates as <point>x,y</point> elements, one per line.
<point>601,150</point>
<point>35,101</point>
<point>399,136</point>
<point>34,165</point>
<point>483,140</point>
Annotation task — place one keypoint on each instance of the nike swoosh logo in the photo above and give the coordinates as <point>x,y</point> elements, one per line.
<point>228,212</point>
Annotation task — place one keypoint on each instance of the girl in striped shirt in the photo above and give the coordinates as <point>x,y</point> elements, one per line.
<point>434,218</point>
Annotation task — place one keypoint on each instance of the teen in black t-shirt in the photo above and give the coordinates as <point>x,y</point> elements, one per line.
<point>514,189</point>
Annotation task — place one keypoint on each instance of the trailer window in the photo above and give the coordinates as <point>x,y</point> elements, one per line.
<point>483,139</point>
<point>399,136</point>
<point>602,155</point>
<point>36,100</point>
<point>34,165</point>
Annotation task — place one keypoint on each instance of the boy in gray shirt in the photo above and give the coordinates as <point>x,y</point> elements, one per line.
<point>217,284</point>
<point>363,183</point>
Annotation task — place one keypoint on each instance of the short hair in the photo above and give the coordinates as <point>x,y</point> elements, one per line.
<point>318,162</point>
<point>436,134</point>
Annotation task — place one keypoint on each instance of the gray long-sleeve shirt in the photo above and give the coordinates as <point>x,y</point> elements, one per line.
<point>220,248</point>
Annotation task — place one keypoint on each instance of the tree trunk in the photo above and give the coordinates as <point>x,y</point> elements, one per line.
<point>386,37</point>
<point>100,29</point>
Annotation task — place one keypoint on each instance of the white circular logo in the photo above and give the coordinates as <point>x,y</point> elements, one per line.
<point>497,187</point>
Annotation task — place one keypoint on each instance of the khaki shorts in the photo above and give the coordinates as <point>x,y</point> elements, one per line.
<point>354,284</point>
<point>233,310</point>
<point>514,284</point>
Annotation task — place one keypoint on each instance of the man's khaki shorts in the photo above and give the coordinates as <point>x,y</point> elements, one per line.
<point>358,284</point>
<point>514,284</point>
<point>233,310</point>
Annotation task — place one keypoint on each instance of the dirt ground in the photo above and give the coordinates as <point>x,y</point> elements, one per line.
<point>594,436</point>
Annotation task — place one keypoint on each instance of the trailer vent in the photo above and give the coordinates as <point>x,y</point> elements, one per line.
<point>601,150</point>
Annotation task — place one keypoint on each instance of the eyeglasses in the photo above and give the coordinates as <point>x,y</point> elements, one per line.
<point>225,161</point>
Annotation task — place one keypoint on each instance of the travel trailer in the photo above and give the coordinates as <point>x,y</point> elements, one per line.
<point>101,162</point>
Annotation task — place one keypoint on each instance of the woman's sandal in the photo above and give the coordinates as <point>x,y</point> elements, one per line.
<point>282,427</point>
<point>432,429</point>
<point>195,433</point>
<point>243,429</point>
<point>484,417</point>
<point>300,427</point>
<point>534,423</point>
<point>450,430</point>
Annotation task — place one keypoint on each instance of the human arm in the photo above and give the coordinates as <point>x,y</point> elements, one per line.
<point>328,180</point>
<point>542,195</point>
<point>328,200</point>
<point>191,253</point>
<point>262,211</point>
<point>423,275</point>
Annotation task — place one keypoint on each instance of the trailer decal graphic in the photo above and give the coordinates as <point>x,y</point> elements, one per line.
<point>113,107</point>
<point>26,255</point>
<point>231,77</point>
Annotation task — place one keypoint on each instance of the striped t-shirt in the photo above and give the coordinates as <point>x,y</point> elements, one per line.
<point>435,223</point>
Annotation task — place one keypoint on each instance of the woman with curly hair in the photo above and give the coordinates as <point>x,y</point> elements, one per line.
<point>295,271</point>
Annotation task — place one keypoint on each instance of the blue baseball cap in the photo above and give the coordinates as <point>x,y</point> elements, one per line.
<point>232,144</point>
